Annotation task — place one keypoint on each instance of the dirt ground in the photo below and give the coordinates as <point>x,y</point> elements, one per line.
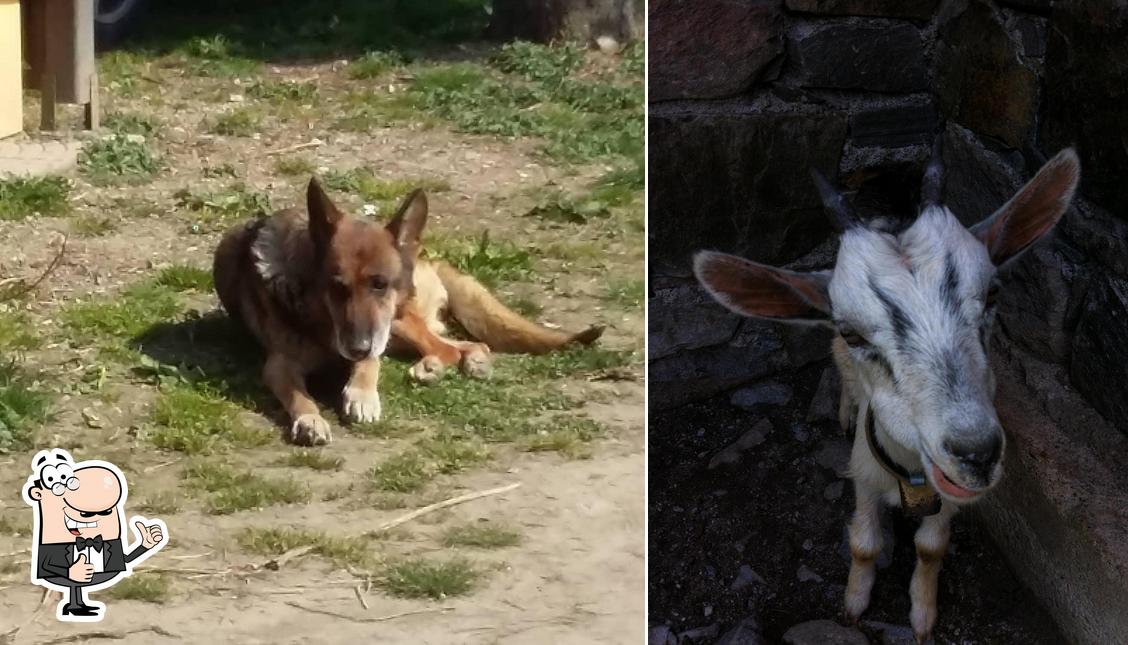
<point>577,574</point>
<point>764,537</point>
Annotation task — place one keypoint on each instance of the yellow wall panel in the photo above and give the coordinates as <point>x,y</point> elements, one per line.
<point>11,81</point>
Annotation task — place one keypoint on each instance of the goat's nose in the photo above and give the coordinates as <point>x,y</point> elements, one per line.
<point>979,453</point>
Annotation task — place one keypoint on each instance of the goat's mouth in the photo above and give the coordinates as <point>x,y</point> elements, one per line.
<point>945,485</point>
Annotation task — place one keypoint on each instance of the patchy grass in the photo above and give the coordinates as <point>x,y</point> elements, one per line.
<point>229,490</point>
<point>121,317</point>
<point>531,90</point>
<point>419,578</point>
<point>16,333</point>
<point>183,277</point>
<point>491,262</point>
<point>220,171</point>
<point>195,420</point>
<point>17,524</point>
<point>23,408</point>
<point>570,437</point>
<point>312,459</point>
<point>373,65</point>
<point>213,212</point>
<point>481,536</point>
<point>572,362</point>
<point>94,226</point>
<point>217,57</point>
<point>294,166</point>
<point>444,453</point>
<point>242,122</point>
<point>385,194</point>
<point>628,293</point>
<point>146,587</point>
<point>22,197</point>
<point>282,92</point>
<point>343,551</point>
<point>161,503</point>
<point>118,157</point>
<point>131,123</point>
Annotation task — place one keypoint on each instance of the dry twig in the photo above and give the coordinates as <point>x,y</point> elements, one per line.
<point>454,501</point>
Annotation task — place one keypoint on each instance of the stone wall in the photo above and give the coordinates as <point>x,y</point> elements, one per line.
<point>747,94</point>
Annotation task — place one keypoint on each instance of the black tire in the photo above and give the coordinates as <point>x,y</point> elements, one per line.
<point>115,19</point>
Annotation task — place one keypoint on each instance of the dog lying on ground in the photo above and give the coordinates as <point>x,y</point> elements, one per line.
<point>323,288</point>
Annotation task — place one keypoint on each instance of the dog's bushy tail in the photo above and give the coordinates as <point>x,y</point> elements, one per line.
<point>488,320</point>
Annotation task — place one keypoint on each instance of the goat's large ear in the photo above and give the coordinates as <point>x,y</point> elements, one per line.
<point>323,214</point>
<point>406,226</point>
<point>752,289</point>
<point>1033,211</point>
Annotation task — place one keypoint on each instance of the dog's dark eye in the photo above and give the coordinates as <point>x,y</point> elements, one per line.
<point>378,283</point>
<point>853,338</point>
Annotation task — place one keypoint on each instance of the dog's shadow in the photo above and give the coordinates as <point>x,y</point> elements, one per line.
<point>212,351</point>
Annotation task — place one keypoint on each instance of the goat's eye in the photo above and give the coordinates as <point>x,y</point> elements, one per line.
<point>378,283</point>
<point>853,338</point>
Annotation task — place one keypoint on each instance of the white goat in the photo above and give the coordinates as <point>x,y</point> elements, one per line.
<point>913,311</point>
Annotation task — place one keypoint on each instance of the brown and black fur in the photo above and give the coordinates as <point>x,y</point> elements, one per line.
<point>319,287</point>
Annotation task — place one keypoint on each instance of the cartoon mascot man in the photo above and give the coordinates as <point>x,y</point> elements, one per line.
<point>78,541</point>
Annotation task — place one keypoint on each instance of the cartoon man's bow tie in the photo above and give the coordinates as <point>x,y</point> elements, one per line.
<point>86,543</point>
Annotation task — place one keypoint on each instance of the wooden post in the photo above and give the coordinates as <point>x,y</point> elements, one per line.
<point>59,46</point>
<point>47,103</point>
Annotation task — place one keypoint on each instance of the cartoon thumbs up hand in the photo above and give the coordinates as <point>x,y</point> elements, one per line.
<point>81,570</point>
<point>151,536</point>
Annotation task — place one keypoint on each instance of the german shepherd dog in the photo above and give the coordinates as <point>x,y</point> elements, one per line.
<point>324,289</point>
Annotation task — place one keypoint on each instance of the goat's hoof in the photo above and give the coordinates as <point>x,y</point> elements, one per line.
<point>476,364</point>
<point>428,370</point>
<point>310,430</point>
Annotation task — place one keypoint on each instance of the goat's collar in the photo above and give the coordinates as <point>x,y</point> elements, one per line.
<point>918,499</point>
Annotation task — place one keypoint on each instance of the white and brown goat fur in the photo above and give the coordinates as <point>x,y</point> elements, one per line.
<point>912,311</point>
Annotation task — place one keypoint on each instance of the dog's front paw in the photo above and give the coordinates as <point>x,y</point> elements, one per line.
<point>428,370</point>
<point>310,430</point>
<point>362,405</point>
<point>476,362</point>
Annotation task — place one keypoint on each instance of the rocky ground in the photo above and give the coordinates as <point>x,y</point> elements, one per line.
<point>748,509</point>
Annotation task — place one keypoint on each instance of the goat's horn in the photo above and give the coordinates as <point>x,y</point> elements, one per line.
<point>932,186</point>
<point>841,215</point>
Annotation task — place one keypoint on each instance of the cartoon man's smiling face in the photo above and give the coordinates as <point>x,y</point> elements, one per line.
<point>79,503</point>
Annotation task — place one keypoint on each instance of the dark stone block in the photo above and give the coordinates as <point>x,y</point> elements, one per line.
<point>979,181</point>
<point>1086,89</point>
<point>853,56</point>
<point>1098,369</point>
<point>710,48</point>
<point>894,127</point>
<point>686,317</point>
<point>919,10</point>
<point>738,183</point>
<point>1034,303</point>
<point>983,83</point>
<point>687,376</point>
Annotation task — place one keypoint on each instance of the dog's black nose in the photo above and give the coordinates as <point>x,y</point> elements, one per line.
<point>980,453</point>
<point>360,347</point>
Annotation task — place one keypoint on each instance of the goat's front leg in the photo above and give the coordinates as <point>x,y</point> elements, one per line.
<point>931,544</point>
<point>865,545</point>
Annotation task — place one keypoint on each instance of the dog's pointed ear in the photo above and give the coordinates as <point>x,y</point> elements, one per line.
<point>323,214</point>
<point>406,226</point>
<point>761,291</point>
<point>1033,210</point>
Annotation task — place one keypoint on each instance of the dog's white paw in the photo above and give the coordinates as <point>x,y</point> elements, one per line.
<point>476,363</point>
<point>361,405</point>
<point>427,371</point>
<point>310,430</point>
